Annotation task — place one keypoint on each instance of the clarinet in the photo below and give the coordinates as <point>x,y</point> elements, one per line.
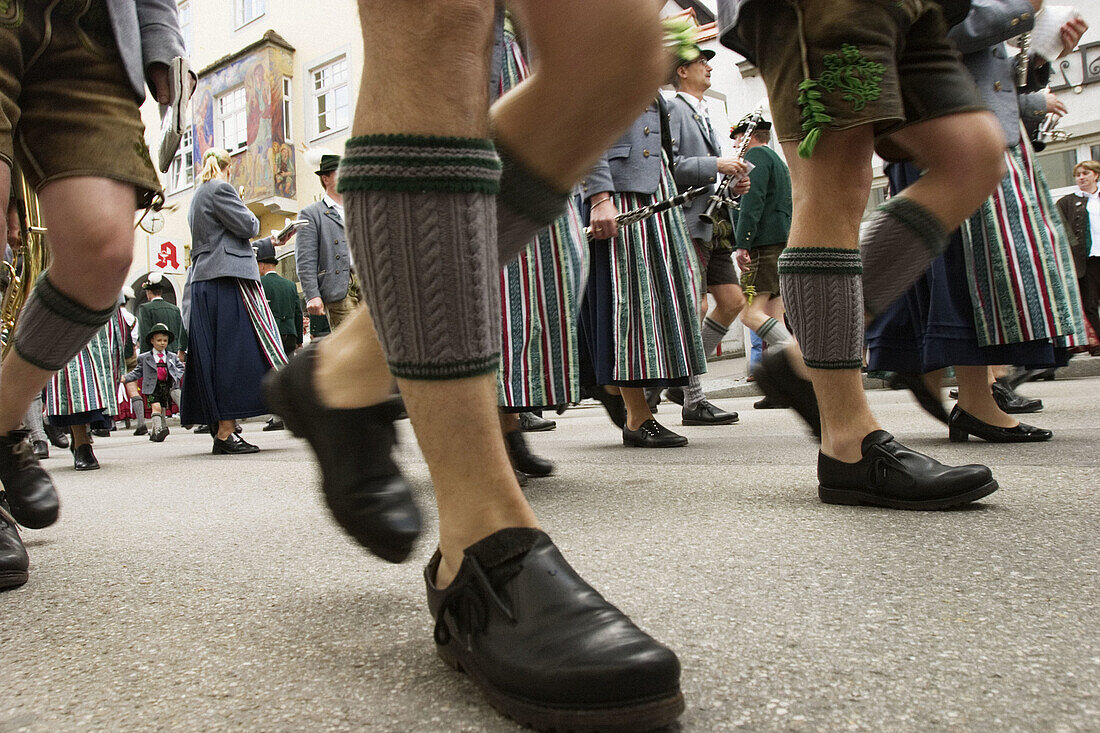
<point>721,197</point>
<point>644,212</point>
<point>1023,61</point>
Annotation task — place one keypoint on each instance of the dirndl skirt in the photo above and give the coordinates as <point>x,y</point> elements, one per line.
<point>233,342</point>
<point>84,391</point>
<point>640,315</point>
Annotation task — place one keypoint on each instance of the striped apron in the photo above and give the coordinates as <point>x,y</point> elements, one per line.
<point>90,380</point>
<point>1022,283</point>
<point>539,294</point>
<point>263,322</point>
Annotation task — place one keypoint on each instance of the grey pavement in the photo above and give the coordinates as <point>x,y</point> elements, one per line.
<point>184,591</point>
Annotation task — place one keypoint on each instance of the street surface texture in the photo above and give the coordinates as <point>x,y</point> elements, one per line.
<point>184,591</point>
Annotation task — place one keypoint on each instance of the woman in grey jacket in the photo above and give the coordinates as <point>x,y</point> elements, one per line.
<point>233,337</point>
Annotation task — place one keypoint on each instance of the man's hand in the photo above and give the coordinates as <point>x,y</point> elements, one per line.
<point>182,355</point>
<point>602,218</point>
<point>732,167</point>
<point>742,187</point>
<point>1071,34</point>
<point>1055,106</point>
<point>744,259</point>
<point>315,307</point>
<point>162,90</point>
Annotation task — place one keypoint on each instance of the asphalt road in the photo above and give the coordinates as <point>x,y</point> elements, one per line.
<point>184,591</point>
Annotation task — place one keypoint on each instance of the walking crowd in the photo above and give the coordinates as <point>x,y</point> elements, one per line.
<point>481,268</point>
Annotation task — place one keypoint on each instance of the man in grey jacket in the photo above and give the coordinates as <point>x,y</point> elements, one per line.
<point>323,260</point>
<point>81,147</point>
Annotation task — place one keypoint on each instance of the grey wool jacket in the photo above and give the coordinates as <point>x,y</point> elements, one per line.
<point>321,253</point>
<point>221,227</point>
<point>147,32</point>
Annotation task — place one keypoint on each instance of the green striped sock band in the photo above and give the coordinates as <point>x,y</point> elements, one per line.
<point>414,163</point>
<point>820,260</point>
<point>919,220</point>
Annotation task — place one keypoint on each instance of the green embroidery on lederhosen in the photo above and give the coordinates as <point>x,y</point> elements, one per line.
<point>856,77</point>
<point>11,14</point>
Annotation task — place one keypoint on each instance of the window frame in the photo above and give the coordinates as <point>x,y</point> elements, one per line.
<point>220,119</point>
<point>187,149</point>
<point>186,26</point>
<point>288,109</point>
<point>239,12</point>
<point>315,94</point>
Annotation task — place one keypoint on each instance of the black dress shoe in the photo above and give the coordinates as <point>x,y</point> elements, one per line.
<point>767,403</point>
<point>233,445</point>
<point>160,433</point>
<point>652,434</point>
<point>13,556</point>
<point>544,647</point>
<point>31,493</point>
<point>529,422</point>
<point>612,403</point>
<point>780,382</point>
<point>1012,402</point>
<point>522,457</point>
<point>41,449</point>
<point>84,459</point>
<point>58,437</point>
<point>890,475</point>
<point>363,487</point>
<point>101,433</point>
<point>930,402</point>
<point>521,477</point>
<point>675,394</point>
<point>201,429</point>
<point>653,398</point>
<point>963,425</point>
<point>141,430</point>
<point>274,424</point>
<point>706,413</point>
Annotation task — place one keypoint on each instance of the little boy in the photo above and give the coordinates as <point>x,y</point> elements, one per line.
<point>160,372</point>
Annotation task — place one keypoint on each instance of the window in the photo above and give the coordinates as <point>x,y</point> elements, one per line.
<point>249,10</point>
<point>1094,152</point>
<point>1057,167</point>
<point>185,25</point>
<point>875,200</point>
<point>288,127</point>
<point>330,96</point>
<point>182,173</point>
<point>231,120</point>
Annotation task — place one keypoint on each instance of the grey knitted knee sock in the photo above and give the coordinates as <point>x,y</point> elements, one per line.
<point>525,206</point>
<point>421,222</point>
<point>898,245</point>
<point>774,332</point>
<point>33,422</point>
<point>137,404</point>
<point>713,333</point>
<point>821,289</point>
<point>53,327</point>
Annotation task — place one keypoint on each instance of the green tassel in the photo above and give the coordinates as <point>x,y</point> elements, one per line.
<point>806,147</point>
<point>681,38</point>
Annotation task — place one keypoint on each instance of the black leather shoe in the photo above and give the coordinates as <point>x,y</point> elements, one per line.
<point>706,413</point>
<point>544,647</point>
<point>101,433</point>
<point>890,475</point>
<point>1012,402</point>
<point>31,493</point>
<point>233,445</point>
<point>675,394</point>
<point>613,403</point>
<point>41,449</point>
<point>363,487</point>
<point>652,434</point>
<point>780,382</point>
<point>159,434</point>
<point>274,424</point>
<point>141,430</point>
<point>13,556</point>
<point>522,457</point>
<point>201,429</point>
<point>928,401</point>
<point>84,459</point>
<point>963,425</point>
<point>767,403</point>
<point>58,437</point>
<point>521,478</point>
<point>529,422</point>
<point>653,398</point>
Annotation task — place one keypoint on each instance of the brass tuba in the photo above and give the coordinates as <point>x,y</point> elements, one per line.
<point>30,256</point>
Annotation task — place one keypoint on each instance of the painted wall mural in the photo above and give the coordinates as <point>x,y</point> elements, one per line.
<point>266,167</point>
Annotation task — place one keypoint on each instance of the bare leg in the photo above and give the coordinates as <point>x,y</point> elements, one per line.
<point>976,396</point>
<point>637,409</point>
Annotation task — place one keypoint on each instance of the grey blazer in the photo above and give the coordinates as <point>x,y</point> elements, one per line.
<point>221,226</point>
<point>146,371</point>
<point>980,39</point>
<point>695,155</point>
<point>147,32</point>
<point>633,164</point>
<point>321,252</point>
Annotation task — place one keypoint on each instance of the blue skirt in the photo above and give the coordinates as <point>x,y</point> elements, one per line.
<point>932,325</point>
<point>225,364</point>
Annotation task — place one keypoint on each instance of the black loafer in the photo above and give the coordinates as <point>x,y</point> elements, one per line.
<point>675,394</point>
<point>928,401</point>
<point>529,422</point>
<point>652,434</point>
<point>653,398</point>
<point>84,459</point>
<point>893,476</point>
<point>781,383</point>
<point>522,457</point>
<point>612,403</point>
<point>1012,402</point>
<point>141,430</point>
<point>363,487</point>
<point>234,445</point>
<point>544,647</point>
<point>41,449</point>
<point>30,491</point>
<point>13,556</point>
<point>58,437</point>
<point>706,413</point>
<point>101,433</point>
<point>963,425</point>
<point>274,424</point>
<point>767,403</point>
<point>159,434</point>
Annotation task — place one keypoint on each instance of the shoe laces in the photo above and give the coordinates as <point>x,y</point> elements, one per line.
<point>5,515</point>
<point>651,428</point>
<point>468,604</point>
<point>23,453</point>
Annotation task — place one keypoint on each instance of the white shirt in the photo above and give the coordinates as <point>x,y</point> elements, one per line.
<point>1092,206</point>
<point>339,207</point>
<point>700,107</point>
